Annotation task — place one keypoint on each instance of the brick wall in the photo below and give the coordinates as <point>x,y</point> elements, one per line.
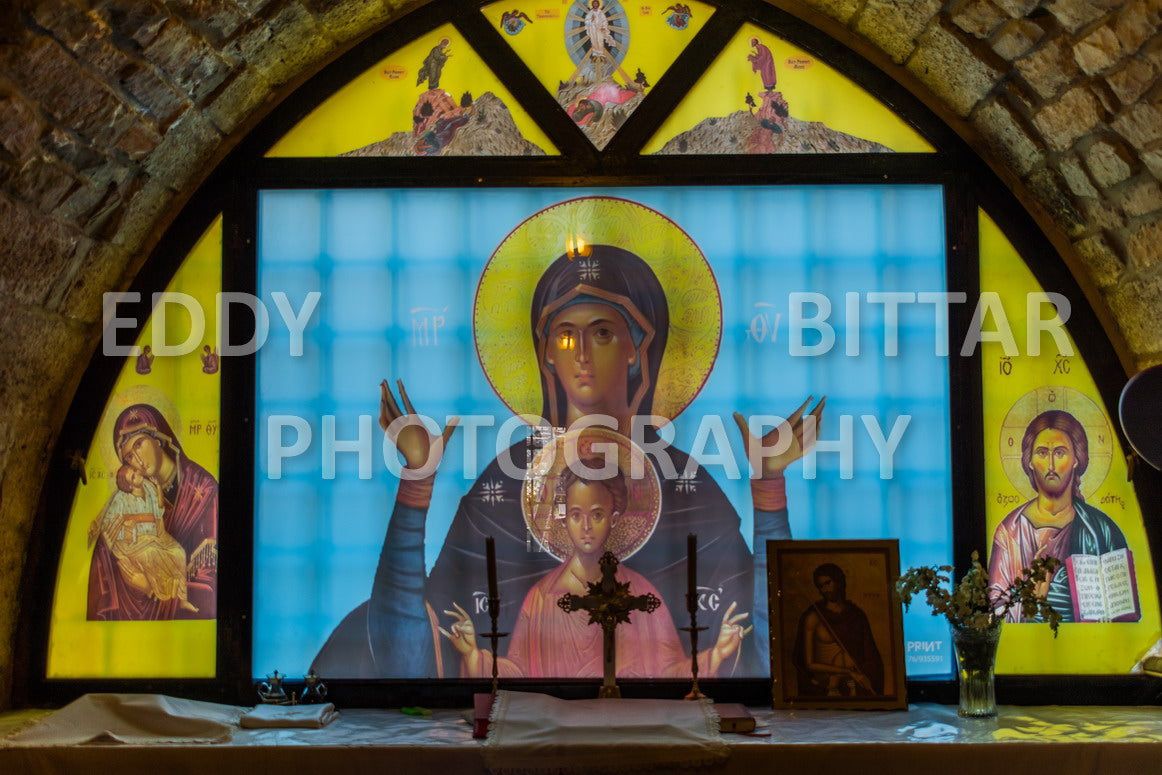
<point>111,109</point>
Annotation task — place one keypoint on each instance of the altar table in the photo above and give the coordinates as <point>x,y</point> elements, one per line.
<point>926,738</point>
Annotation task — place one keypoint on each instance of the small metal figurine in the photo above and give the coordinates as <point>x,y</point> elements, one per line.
<point>315,691</point>
<point>609,604</point>
<point>692,609</point>
<point>270,691</point>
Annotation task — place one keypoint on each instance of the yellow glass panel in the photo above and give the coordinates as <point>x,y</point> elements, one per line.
<point>598,85</point>
<point>794,104</point>
<point>433,97</point>
<point>95,631</point>
<point>1017,387</point>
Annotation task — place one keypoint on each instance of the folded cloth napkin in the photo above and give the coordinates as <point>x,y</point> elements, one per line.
<point>302,716</point>
<point>134,719</point>
<point>534,733</point>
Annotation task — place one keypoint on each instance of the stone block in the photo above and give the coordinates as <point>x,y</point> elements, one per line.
<point>1136,24</point>
<point>65,21</point>
<point>1153,161</point>
<point>1103,263</point>
<point>1075,14</point>
<point>188,61</point>
<point>138,142</point>
<point>1075,176</point>
<point>104,58</point>
<point>253,7</point>
<point>1140,124</point>
<point>1141,196</point>
<point>77,154</point>
<point>1145,245</point>
<point>1099,215</point>
<point>39,350</point>
<point>347,20</point>
<point>1050,190</point>
<point>951,70</point>
<point>1017,9</point>
<point>1016,37</point>
<point>242,94</point>
<point>978,17</point>
<point>1076,114</point>
<point>141,215</point>
<point>1133,80</point>
<point>79,295</point>
<point>842,10</point>
<point>35,249</point>
<point>216,19</point>
<point>1109,162</point>
<point>1136,303</point>
<point>896,25</point>
<point>164,105</point>
<point>1049,68</point>
<point>49,74</point>
<point>293,42</point>
<point>43,182</point>
<point>105,220</point>
<point>1007,136</point>
<point>1097,51</point>
<point>20,126</point>
<point>182,155</point>
<point>134,20</point>
<point>83,201</point>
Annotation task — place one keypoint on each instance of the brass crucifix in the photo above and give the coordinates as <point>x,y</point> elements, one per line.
<point>609,603</point>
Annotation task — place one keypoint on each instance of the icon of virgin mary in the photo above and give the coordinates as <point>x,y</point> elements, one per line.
<point>603,341</point>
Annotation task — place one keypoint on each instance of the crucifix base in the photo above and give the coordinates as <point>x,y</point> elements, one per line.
<point>609,693</point>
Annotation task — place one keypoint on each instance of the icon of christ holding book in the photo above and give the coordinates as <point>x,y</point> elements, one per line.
<point>1096,579</point>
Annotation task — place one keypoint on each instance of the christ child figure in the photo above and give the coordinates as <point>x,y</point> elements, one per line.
<point>149,558</point>
<point>548,642</point>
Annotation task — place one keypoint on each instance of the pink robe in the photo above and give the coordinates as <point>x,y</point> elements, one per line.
<point>1016,543</point>
<point>549,643</point>
<point>763,63</point>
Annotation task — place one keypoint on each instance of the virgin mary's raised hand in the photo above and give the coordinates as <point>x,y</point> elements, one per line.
<point>422,450</point>
<point>783,445</point>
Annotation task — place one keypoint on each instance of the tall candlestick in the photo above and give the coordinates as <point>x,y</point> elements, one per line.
<point>692,565</point>
<point>490,551</point>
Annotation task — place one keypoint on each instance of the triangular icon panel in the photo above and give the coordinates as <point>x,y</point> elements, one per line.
<point>764,95</point>
<point>433,97</point>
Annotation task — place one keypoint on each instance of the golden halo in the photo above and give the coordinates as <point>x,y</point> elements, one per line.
<point>543,507</point>
<point>135,394</point>
<point>1087,411</point>
<point>504,297</point>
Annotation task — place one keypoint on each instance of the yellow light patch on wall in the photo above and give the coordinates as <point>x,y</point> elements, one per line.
<point>540,43</point>
<point>1016,387</point>
<point>379,103</point>
<point>181,387</point>
<point>813,92</point>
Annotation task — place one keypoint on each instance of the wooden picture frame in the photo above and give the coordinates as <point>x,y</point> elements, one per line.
<point>835,600</point>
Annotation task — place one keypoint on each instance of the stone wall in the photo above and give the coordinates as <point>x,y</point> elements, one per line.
<point>111,111</point>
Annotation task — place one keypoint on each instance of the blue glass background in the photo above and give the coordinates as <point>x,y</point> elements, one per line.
<point>383,259</point>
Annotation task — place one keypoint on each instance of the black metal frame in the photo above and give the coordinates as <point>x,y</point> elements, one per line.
<point>233,187</point>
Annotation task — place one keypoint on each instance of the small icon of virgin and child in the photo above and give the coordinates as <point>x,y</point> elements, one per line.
<point>1096,580</point>
<point>627,331</point>
<point>154,543</point>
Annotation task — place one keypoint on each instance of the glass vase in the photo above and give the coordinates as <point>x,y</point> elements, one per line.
<point>976,658</point>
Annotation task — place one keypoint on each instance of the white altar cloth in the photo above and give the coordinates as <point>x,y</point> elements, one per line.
<point>926,737</point>
<point>533,733</point>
